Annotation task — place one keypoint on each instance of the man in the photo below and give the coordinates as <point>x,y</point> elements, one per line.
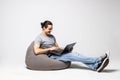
<point>46,42</point>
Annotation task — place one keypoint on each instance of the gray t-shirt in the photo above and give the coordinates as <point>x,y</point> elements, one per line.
<point>45,41</point>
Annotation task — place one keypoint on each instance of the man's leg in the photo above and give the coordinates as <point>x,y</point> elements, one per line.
<point>91,62</point>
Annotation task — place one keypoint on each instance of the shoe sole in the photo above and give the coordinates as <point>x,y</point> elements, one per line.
<point>103,65</point>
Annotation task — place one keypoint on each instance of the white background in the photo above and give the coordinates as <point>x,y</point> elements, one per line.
<point>93,24</point>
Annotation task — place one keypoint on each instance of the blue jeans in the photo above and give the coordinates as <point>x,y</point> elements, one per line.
<point>91,62</point>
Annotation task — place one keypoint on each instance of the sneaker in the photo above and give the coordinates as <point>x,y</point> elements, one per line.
<point>102,65</point>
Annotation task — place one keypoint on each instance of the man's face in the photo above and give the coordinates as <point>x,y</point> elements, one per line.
<point>48,29</point>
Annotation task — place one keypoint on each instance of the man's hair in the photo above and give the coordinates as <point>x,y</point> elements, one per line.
<point>45,24</point>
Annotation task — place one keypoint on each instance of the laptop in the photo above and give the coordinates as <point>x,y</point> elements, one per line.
<point>68,48</point>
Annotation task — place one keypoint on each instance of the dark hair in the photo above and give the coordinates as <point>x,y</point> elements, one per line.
<point>45,24</point>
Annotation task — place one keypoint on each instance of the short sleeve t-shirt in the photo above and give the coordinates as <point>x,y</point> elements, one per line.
<point>45,41</point>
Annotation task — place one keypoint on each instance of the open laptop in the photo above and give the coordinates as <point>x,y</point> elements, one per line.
<point>68,48</point>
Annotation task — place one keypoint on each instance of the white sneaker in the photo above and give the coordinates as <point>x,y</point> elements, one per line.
<point>102,65</point>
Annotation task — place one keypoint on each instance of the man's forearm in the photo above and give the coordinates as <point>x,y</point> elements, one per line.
<point>41,51</point>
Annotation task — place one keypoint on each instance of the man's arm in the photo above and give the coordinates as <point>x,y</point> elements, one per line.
<point>39,50</point>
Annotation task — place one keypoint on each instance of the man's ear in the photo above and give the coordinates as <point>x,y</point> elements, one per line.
<point>44,28</point>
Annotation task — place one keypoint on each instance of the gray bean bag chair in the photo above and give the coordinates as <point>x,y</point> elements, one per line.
<point>42,61</point>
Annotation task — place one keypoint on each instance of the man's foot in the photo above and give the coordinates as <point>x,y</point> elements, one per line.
<point>104,62</point>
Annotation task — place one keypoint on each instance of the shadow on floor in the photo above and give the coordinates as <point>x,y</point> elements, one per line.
<point>110,70</point>
<point>78,66</point>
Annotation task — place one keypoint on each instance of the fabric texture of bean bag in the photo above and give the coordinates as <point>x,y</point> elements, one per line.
<point>42,61</point>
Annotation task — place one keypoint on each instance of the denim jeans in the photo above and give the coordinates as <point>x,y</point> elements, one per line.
<point>91,62</point>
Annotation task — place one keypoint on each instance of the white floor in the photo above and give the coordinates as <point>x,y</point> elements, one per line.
<point>77,71</point>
